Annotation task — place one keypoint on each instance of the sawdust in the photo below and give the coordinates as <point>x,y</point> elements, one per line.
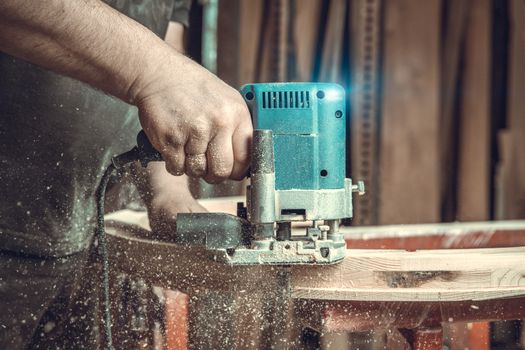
<point>196,165</point>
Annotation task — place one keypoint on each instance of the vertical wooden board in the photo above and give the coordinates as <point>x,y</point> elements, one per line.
<point>306,27</point>
<point>474,153</point>
<point>250,26</point>
<point>513,167</point>
<point>265,68</point>
<point>502,169</point>
<point>228,43</point>
<point>333,42</point>
<point>273,54</point>
<point>409,164</point>
<point>455,20</point>
<point>516,115</point>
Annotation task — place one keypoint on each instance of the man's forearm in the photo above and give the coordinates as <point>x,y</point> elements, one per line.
<point>183,108</point>
<point>85,39</point>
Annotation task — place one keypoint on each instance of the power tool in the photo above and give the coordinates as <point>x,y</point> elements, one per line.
<point>297,174</point>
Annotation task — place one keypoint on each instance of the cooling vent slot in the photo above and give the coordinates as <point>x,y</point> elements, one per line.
<point>286,99</point>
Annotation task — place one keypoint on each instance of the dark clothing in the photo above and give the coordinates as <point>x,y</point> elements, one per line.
<point>57,135</point>
<point>41,299</point>
<point>181,12</point>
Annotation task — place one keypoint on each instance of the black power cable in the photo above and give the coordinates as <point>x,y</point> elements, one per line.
<point>144,152</point>
<point>116,164</point>
<point>103,251</point>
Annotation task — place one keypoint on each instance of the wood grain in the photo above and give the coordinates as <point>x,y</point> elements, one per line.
<point>171,266</point>
<point>431,275</point>
<point>409,150</point>
<point>473,192</point>
<point>339,316</point>
<point>512,170</point>
<point>365,274</point>
<point>456,21</point>
<point>250,26</point>
<point>332,53</point>
<point>306,27</point>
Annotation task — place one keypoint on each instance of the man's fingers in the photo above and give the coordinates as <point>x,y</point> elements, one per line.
<point>175,160</point>
<point>241,142</point>
<point>196,165</point>
<point>220,158</point>
<point>195,149</point>
<point>197,140</point>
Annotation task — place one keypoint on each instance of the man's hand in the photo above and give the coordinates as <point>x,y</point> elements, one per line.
<point>163,210</point>
<point>165,196</point>
<point>199,124</point>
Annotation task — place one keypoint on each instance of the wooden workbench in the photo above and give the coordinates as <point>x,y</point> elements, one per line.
<point>369,289</point>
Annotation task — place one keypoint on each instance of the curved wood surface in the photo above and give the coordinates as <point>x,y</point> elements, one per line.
<point>364,275</point>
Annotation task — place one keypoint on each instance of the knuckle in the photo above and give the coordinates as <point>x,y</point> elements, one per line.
<point>221,170</point>
<point>173,159</point>
<point>223,119</point>
<point>221,174</point>
<point>174,169</point>
<point>176,139</point>
<point>195,166</point>
<point>242,157</point>
<point>238,109</point>
<point>199,131</point>
<point>226,108</point>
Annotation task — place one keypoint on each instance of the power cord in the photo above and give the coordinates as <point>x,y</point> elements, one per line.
<point>144,152</point>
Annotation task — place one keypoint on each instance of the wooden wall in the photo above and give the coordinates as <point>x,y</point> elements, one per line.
<point>428,130</point>
<point>409,169</point>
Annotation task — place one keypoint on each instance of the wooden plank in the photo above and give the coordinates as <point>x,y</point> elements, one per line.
<point>242,297</point>
<point>473,196</point>
<point>512,185</point>
<point>172,266</point>
<point>406,295</point>
<point>250,26</point>
<point>352,316</point>
<point>228,41</point>
<point>332,53</point>
<point>456,20</point>
<point>268,53</point>
<point>428,275</point>
<point>431,275</point>
<point>409,150</point>
<point>437,236</point>
<point>472,191</point>
<point>306,27</point>
<point>511,175</point>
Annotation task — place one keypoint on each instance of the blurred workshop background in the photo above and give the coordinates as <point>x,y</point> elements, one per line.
<point>436,102</point>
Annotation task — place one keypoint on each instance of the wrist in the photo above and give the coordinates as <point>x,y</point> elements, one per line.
<point>158,63</point>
